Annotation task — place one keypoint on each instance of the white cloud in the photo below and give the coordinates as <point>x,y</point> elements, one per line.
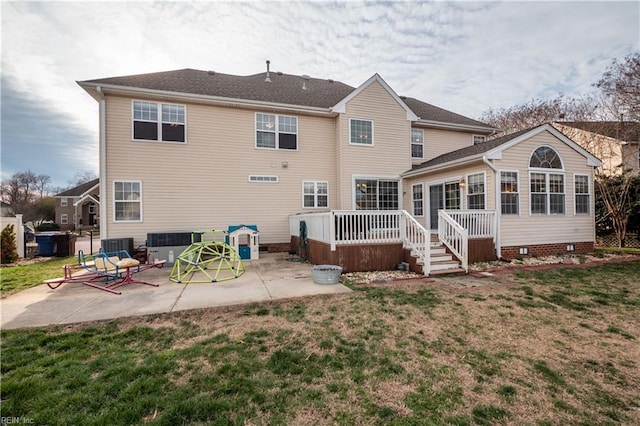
<point>464,56</point>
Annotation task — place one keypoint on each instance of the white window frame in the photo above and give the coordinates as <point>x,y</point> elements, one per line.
<point>356,178</point>
<point>414,200</point>
<point>473,139</point>
<point>64,202</point>
<point>315,194</point>
<point>484,193</point>
<point>421,143</point>
<point>276,131</point>
<point>517,193</point>
<point>548,193</point>
<point>64,219</point>
<point>587,194</point>
<point>263,178</point>
<point>159,121</point>
<point>139,200</point>
<point>351,142</point>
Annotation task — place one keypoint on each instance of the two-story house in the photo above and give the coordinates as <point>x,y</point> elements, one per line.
<point>78,207</point>
<point>193,149</point>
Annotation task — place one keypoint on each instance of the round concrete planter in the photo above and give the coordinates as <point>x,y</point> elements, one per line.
<point>326,274</point>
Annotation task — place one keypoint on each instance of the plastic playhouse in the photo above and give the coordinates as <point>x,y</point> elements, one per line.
<point>244,239</point>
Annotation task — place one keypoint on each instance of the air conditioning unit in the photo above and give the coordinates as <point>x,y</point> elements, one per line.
<point>168,245</point>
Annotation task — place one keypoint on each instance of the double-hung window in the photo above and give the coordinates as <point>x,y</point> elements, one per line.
<point>479,139</point>
<point>376,194</point>
<point>127,201</point>
<point>509,196</point>
<point>64,219</point>
<point>581,190</point>
<point>475,191</point>
<point>360,132</point>
<point>418,199</point>
<point>417,143</point>
<point>546,184</point>
<point>158,122</point>
<point>315,194</point>
<point>276,131</point>
<point>64,202</point>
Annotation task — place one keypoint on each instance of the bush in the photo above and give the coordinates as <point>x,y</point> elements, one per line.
<point>45,227</point>
<point>8,250</point>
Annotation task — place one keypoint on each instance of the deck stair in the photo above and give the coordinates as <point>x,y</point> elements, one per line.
<point>442,261</point>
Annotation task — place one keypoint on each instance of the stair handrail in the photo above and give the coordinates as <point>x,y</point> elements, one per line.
<point>416,238</point>
<point>455,237</point>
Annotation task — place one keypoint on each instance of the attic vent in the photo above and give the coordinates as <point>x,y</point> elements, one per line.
<point>268,79</point>
<point>279,72</point>
<point>305,78</point>
<point>210,72</point>
<point>330,80</point>
<point>403,97</point>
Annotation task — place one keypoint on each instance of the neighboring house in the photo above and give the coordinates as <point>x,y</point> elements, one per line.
<point>6,209</point>
<point>78,207</point>
<point>193,149</point>
<point>616,143</point>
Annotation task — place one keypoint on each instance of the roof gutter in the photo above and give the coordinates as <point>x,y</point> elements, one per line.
<point>496,179</point>
<point>448,164</point>
<point>206,98</point>
<point>102,143</point>
<point>445,125</point>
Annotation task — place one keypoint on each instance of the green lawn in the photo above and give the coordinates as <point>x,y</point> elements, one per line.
<point>18,278</point>
<point>539,348</point>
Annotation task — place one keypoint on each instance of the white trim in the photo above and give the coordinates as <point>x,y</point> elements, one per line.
<point>263,179</point>
<point>433,124</point>
<point>81,200</point>
<point>589,194</point>
<point>159,121</point>
<point>64,219</point>
<point>519,193</point>
<point>372,132</point>
<point>64,201</point>
<point>547,173</point>
<point>113,192</point>
<point>545,168</point>
<point>341,107</point>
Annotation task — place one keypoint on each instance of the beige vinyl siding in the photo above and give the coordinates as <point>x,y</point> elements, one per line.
<point>608,150</point>
<point>390,154</point>
<point>438,142</point>
<point>546,229</point>
<point>203,184</point>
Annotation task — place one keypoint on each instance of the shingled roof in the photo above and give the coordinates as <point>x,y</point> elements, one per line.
<point>627,131</point>
<point>283,89</point>
<point>77,191</point>
<point>470,151</point>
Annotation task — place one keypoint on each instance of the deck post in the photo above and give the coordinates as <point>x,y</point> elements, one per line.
<point>332,230</point>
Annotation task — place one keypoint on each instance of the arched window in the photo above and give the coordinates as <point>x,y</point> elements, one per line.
<point>547,187</point>
<point>545,158</point>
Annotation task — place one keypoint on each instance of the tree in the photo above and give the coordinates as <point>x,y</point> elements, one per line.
<point>82,177</point>
<point>20,190</point>
<point>620,85</point>
<point>8,249</point>
<point>41,184</point>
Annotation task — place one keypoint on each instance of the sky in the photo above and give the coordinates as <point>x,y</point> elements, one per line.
<point>463,56</point>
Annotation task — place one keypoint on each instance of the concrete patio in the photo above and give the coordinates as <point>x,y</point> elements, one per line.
<point>269,278</point>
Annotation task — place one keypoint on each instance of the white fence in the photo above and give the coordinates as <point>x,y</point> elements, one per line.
<point>478,223</point>
<point>18,228</point>
<point>454,236</point>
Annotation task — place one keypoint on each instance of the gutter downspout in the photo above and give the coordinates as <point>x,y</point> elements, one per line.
<point>102,142</point>
<point>496,178</point>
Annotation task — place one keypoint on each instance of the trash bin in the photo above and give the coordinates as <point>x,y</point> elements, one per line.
<point>45,243</point>
<point>64,245</point>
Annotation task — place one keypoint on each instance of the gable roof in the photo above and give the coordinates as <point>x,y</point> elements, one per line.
<point>627,131</point>
<point>284,89</point>
<point>79,190</point>
<point>493,148</point>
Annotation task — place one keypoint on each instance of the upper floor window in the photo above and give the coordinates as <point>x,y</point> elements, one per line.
<point>475,191</point>
<point>479,139</point>
<point>581,189</point>
<point>509,196</point>
<point>315,194</point>
<point>158,122</point>
<point>127,200</point>
<point>417,143</point>
<point>64,202</point>
<point>360,131</point>
<point>276,131</point>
